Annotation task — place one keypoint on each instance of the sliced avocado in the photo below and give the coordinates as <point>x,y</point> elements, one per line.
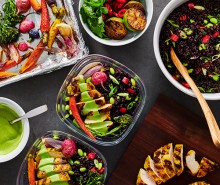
<point>115,28</point>
<point>86,87</point>
<point>134,19</point>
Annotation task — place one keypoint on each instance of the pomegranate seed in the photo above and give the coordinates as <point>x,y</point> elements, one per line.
<point>205,39</point>
<point>185,84</point>
<point>216,34</point>
<point>174,37</point>
<point>130,90</point>
<point>122,110</point>
<point>125,80</point>
<point>91,155</point>
<point>191,5</point>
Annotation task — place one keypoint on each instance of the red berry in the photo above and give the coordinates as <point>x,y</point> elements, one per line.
<point>174,37</point>
<point>191,5</point>
<point>91,155</point>
<point>185,84</point>
<point>130,90</point>
<point>205,39</point>
<point>122,110</point>
<point>125,80</point>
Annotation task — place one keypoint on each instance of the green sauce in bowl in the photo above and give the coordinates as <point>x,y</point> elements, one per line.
<point>10,135</point>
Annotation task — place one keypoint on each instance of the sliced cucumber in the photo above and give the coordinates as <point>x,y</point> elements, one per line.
<point>134,19</point>
<point>115,28</point>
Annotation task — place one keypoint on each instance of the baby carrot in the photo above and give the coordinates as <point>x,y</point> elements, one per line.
<point>35,5</point>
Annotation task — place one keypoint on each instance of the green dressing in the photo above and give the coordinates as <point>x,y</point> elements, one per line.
<point>85,96</point>
<point>89,106</point>
<point>83,87</point>
<point>11,135</point>
<point>46,161</point>
<point>43,153</point>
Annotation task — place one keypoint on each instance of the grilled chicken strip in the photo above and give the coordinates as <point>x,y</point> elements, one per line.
<point>178,158</point>
<point>200,183</point>
<point>61,177</point>
<point>42,172</point>
<point>206,166</point>
<point>144,178</point>
<point>191,162</point>
<point>158,163</point>
<point>149,166</point>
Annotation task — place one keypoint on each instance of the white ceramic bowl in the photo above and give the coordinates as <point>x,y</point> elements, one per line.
<point>173,4</point>
<point>26,130</point>
<point>131,36</point>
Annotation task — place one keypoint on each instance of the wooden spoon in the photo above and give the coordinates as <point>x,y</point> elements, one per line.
<point>212,124</point>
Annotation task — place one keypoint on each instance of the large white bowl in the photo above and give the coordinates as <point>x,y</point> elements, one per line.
<point>173,4</point>
<point>131,36</point>
<point>26,130</point>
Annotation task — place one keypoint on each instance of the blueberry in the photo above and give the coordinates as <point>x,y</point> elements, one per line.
<point>34,33</point>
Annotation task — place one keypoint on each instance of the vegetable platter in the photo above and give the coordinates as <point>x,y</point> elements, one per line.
<point>37,37</point>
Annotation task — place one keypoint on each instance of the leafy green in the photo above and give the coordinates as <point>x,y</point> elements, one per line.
<point>11,17</point>
<point>94,178</point>
<point>91,12</point>
<point>8,33</point>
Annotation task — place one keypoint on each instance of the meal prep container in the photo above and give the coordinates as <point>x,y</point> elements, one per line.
<point>22,178</point>
<point>48,63</point>
<point>163,16</point>
<point>61,103</point>
<point>131,36</point>
<point>26,130</point>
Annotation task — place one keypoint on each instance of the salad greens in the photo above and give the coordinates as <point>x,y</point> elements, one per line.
<point>8,19</point>
<point>91,12</point>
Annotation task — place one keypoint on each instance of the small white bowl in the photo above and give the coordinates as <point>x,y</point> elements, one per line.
<point>26,130</point>
<point>131,36</point>
<point>173,4</point>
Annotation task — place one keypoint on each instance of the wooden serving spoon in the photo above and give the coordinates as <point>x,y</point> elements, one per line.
<point>212,124</point>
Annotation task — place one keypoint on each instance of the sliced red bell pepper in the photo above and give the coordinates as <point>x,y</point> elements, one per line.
<point>110,12</point>
<point>123,110</point>
<point>216,34</point>
<point>175,78</point>
<point>183,17</point>
<point>205,39</point>
<point>76,115</point>
<point>191,5</point>
<point>121,13</point>
<point>130,90</point>
<point>125,80</point>
<point>174,37</point>
<point>185,84</point>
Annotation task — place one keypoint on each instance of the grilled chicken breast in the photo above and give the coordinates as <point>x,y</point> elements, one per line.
<point>167,160</point>
<point>200,183</point>
<point>158,163</point>
<point>178,158</point>
<point>149,166</point>
<point>206,166</point>
<point>144,178</point>
<point>191,162</point>
<point>61,177</point>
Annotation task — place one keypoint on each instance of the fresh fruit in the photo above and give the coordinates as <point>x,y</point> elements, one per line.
<point>115,28</point>
<point>68,148</point>
<point>134,19</point>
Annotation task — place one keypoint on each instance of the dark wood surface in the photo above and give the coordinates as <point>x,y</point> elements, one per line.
<point>167,122</point>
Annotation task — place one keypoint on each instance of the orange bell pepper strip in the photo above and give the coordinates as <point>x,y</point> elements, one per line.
<point>31,170</point>
<point>33,58</point>
<point>76,115</point>
<point>35,5</point>
<point>4,74</point>
<point>45,22</point>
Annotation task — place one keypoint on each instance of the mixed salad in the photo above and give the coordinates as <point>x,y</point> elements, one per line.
<point>23,39</point>
<point>63,161</point>
<point>102,100</point>
<point>112,19</point>
<point>193,30</point>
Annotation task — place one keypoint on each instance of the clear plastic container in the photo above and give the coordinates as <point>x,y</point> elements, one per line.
<point>61,103</point>
<point>22,178</point>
